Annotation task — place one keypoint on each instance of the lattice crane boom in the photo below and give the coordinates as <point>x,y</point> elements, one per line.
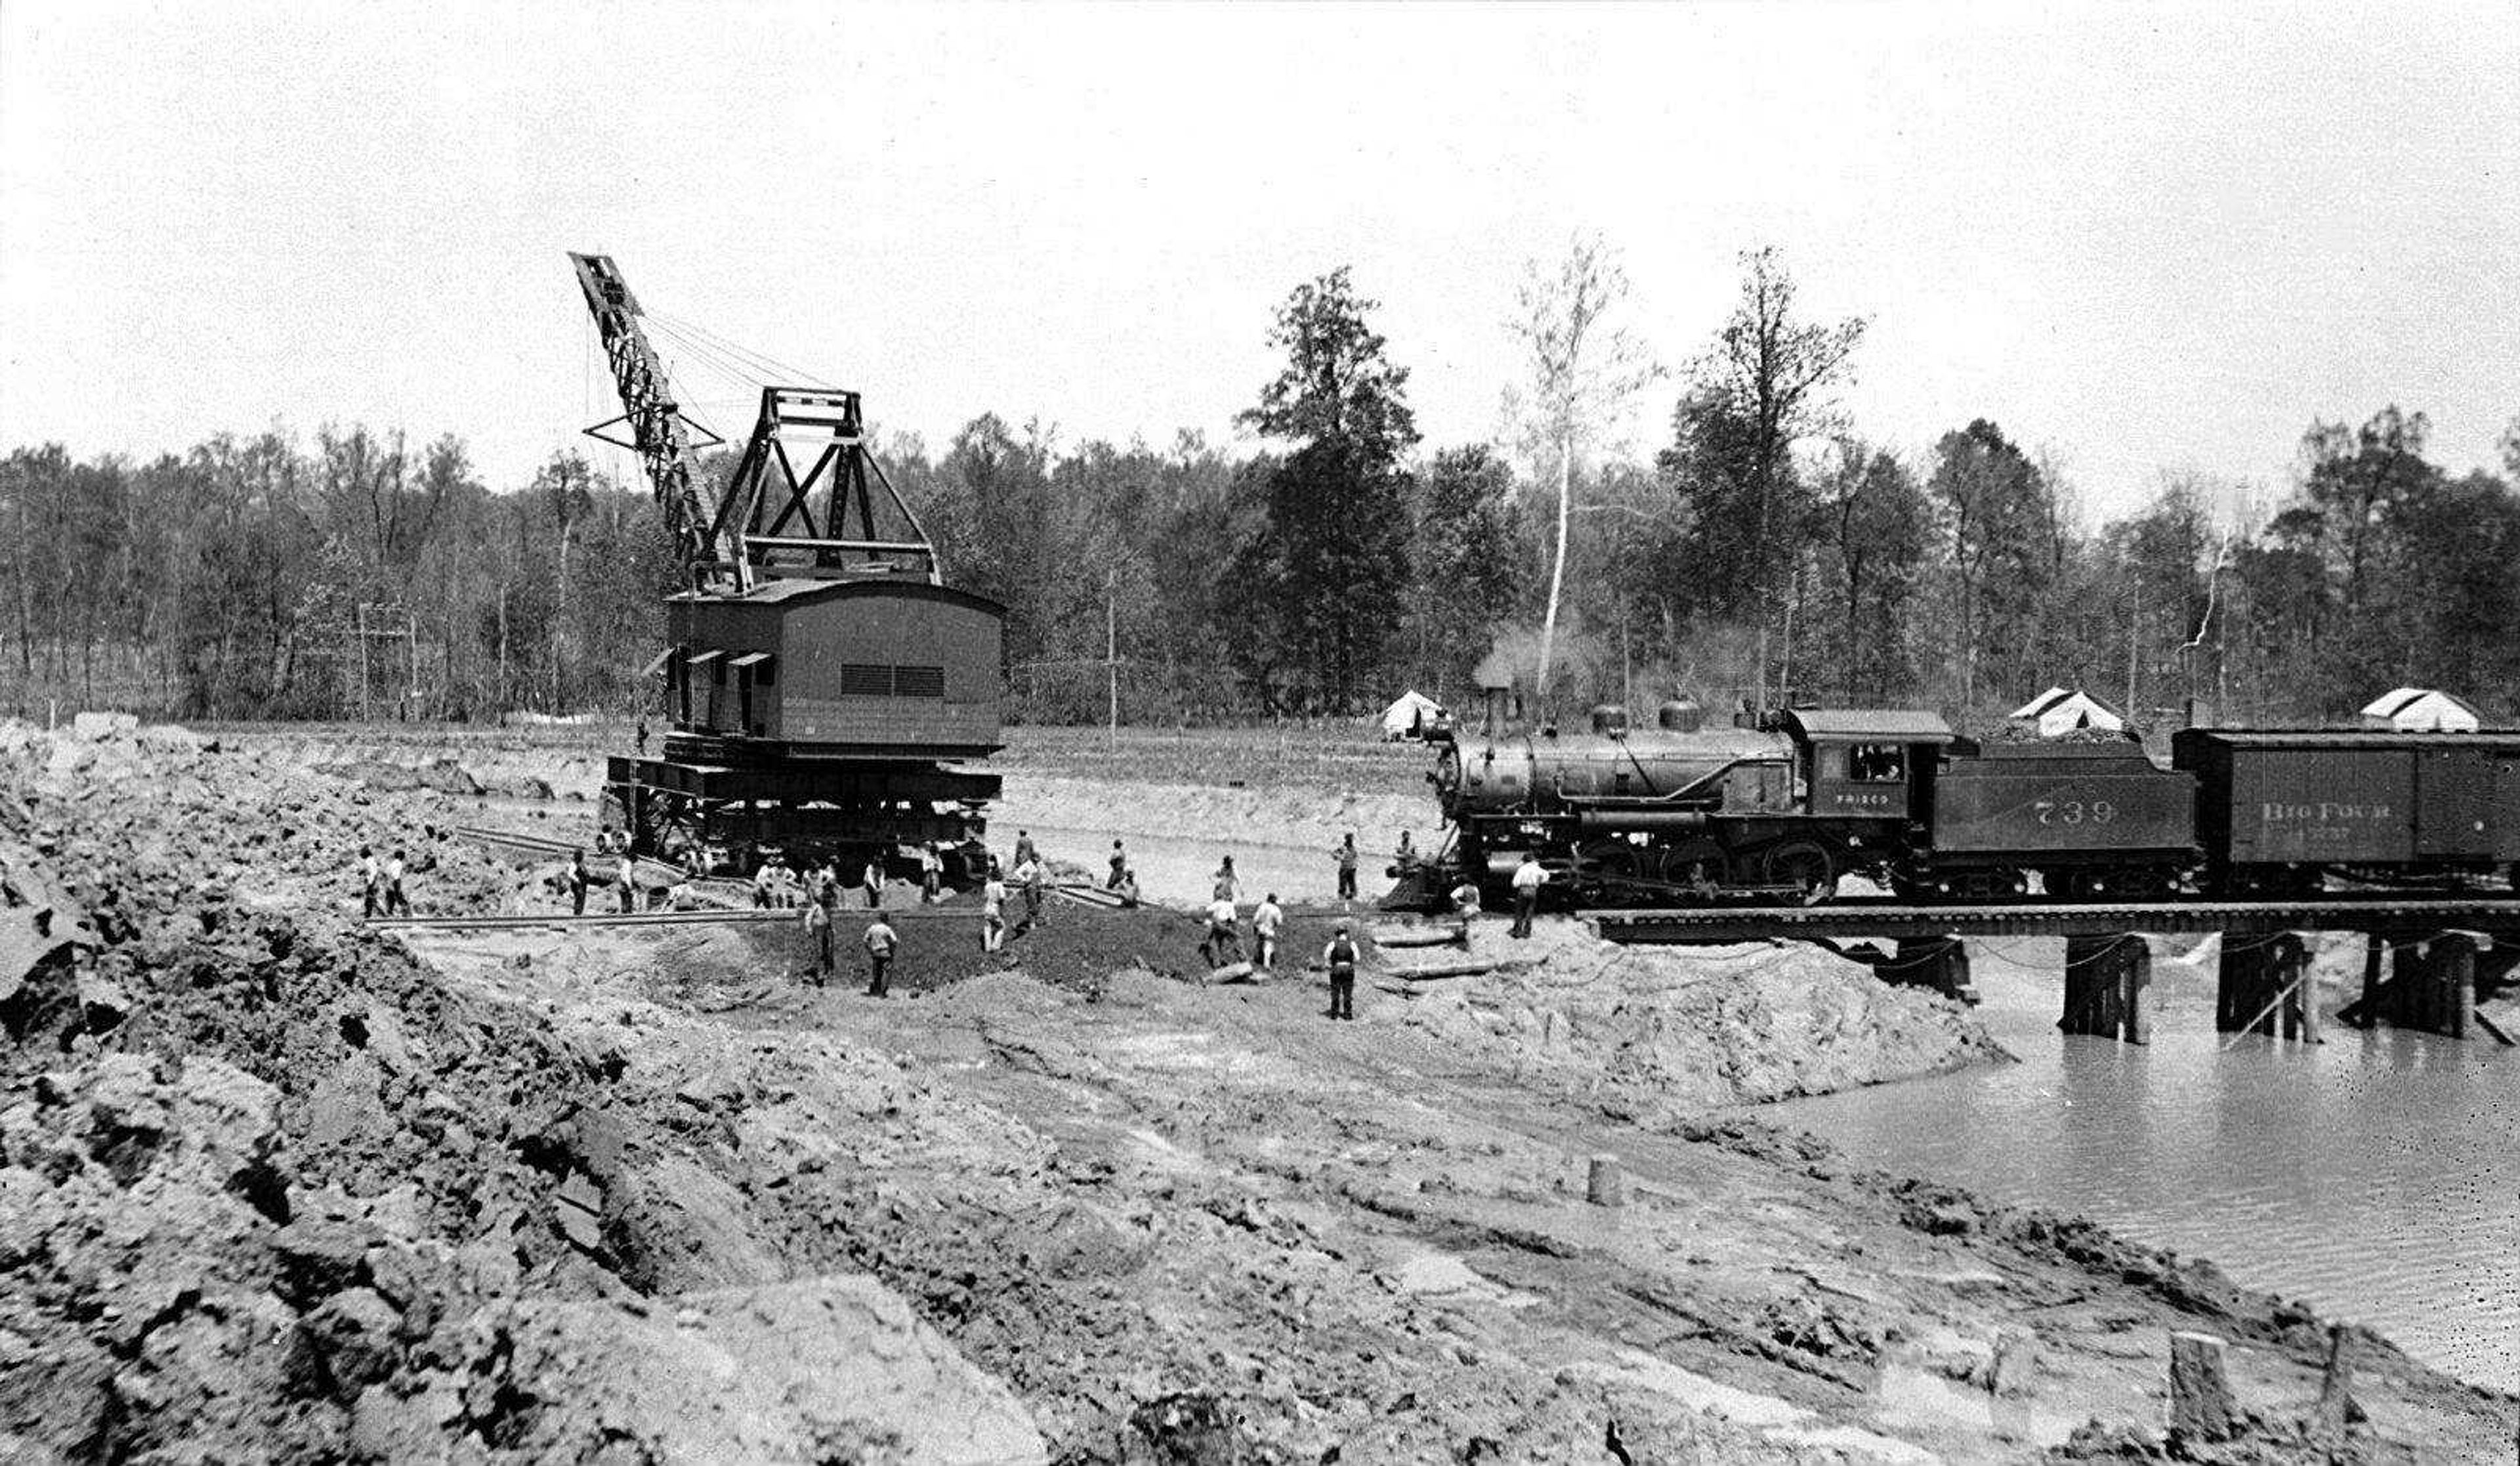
<point>708,542</point>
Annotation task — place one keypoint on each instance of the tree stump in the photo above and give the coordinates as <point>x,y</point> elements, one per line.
<point>2200,1394</point>
<point>1604,1184</point>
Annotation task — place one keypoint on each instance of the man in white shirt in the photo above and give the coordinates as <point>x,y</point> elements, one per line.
<point>1265,923</point>
<point>880,940</point>
<point>993,912</point>
<point>1527,880</point>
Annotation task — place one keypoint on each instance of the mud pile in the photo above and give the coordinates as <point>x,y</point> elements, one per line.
<point>1651,1036</point>
<point>270,1190</point>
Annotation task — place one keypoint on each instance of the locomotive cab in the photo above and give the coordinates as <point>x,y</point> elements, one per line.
<point>1866,764</point>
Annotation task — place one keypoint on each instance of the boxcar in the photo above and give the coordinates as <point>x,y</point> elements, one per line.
<point>2278,808</point>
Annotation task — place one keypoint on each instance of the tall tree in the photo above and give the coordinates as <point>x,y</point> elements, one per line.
<point>1775,372</point>
<point>1468,552</point>
<point>1332,563</point>
<point>1585,368</point>
<point>2004,548</point>
<point>1875,527</point>
<point>564,489</point>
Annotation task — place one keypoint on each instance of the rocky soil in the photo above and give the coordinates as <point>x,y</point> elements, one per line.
<point>277,1186</point>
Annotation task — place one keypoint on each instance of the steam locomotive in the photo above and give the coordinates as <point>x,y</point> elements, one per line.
<point>1777,809</point>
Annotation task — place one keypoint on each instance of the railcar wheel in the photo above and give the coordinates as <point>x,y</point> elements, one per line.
<point>1804,865</point>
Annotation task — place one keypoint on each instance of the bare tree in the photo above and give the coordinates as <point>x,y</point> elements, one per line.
<point>1585,369</point>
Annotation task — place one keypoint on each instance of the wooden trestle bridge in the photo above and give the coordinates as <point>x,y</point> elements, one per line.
<point>2423,955</point>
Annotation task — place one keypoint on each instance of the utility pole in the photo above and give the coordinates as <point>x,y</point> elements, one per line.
<point>1112,650</point>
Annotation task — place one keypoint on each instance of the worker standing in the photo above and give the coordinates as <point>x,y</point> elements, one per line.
<point>625,882</point>
<point>1465,906</point>
<point>1227,886</point>
<point>1266,918</point>
<point>993,912</point>
<point>1406,856</point>
<point>1528,878</point>
<point>395,899</point>
<point>1119,867</point>
<point>1347,866</point>
<point>826,897</point>
<point>372,882</point>
<point>873,883</point>
<point>879,943</point>
<point>1223,943</point>
<point>818,934</point>
<point>1028,881</point>
<point>931,875</point>
<point>1339,956</point>
<point>578,880</point>
<point>1023,847</point>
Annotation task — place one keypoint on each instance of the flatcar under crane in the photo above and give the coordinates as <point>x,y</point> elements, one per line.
<point>822,680</point>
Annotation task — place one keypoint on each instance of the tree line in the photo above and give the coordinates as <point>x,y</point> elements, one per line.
<point>1766,548</point>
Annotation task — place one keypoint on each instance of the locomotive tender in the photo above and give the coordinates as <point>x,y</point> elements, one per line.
<point>1780,811</point>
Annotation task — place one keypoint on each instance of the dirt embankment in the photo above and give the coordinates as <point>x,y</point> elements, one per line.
<point>276,1188</point>
<point>271,1190</point>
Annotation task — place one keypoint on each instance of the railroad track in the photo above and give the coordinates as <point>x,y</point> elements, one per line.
<point>1891,917</point>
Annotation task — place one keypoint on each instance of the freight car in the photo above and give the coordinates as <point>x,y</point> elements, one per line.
<point>1780,811</point>
<point>2281,810</point>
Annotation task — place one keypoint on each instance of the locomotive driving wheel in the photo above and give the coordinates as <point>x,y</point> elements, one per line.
<point>1806,865</point>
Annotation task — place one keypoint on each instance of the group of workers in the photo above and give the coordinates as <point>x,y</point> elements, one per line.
<point>819,888</point>
<point>381,892</point>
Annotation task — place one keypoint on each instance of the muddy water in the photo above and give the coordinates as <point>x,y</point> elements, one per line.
<point>2376,1175</point>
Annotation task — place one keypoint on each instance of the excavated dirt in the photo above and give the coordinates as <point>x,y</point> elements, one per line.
<point>277,1186</point>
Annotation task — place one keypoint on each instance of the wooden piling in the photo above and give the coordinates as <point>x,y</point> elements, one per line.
<point>2404,1001</point>
<point>2105,978</point>
<point>2373,948</point>
<point>2264,987</point>
<point>2434,987</point>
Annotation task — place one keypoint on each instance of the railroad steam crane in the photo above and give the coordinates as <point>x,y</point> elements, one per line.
<point>821,679</point>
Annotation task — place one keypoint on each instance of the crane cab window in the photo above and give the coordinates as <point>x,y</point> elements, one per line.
<point>1876,763</point>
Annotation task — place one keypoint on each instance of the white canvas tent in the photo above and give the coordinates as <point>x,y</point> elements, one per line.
<point>2058,712</point>
<point>2419,710</point>
<point>1410,715</point>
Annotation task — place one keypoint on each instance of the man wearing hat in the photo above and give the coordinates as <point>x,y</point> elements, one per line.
<point>1340,958</point>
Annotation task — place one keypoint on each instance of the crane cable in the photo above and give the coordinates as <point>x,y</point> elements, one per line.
<point>759,359</point>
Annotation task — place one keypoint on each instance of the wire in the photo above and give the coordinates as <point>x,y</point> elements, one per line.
<point>760,358</point>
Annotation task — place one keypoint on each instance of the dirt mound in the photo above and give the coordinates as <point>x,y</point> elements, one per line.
<point>1654,1033</point>
<point>269,1188</point>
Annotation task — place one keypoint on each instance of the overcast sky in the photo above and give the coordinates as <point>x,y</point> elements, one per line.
<point>2145,240</point>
